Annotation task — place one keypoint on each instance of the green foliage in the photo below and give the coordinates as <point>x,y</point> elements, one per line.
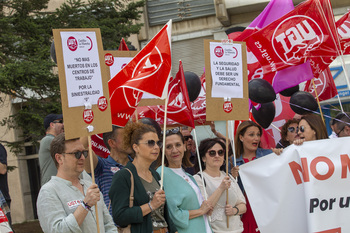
<point>27,70</point>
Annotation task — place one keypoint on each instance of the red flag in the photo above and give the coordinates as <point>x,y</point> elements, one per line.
<point>123,46</point>
<point>98,145</point>
<point>179,107</point>
<point>299,35</point>
<point>148,71</point>
<point>343,27</point>
<point>325,86</point>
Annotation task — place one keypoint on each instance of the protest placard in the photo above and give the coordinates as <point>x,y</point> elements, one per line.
<point>83,81</point>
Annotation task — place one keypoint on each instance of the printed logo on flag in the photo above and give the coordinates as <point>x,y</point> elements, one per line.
<point>72,43</point>
<point>320,84</point>
<point>291,44</point>
<point>109,59</point>
<point>344,29</point>
<point>88,116</point>
<point>219,51</point>
<point>102,103</point>
<point>132,97</point>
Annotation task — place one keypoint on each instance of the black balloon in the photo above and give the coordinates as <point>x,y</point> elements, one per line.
<point>53,52</point>
<point>303,102</point>
<point>261,91</point>
<point>265,115</point>
<point>151,122</point>
<point>193,84</point>
<point>290,91</point>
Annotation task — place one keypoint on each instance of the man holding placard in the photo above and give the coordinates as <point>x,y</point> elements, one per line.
<point>67,203</point>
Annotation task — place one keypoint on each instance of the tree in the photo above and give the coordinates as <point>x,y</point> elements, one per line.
<point>27,72</point>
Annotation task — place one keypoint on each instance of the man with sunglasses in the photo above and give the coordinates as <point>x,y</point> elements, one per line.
<point>341,126</point>
<point>105,168</point>
<point>53,124</point>
<point>67,203</point>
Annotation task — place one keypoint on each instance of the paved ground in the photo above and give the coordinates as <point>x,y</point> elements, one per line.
<point>27,227</point>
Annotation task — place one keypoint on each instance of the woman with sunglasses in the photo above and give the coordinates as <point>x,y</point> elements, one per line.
<point>212,155</point>
<point>247,148</point>
<point>289,133</point>
<point>311,127</point>
<point>187,208</point>
<point>149,212</point>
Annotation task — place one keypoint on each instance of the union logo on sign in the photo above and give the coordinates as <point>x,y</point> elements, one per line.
<point>219,51</point>
<point>88,116</point>
<point>228,107</point>
<point>109,59</point>
<point>72,43</point>
<point>102,103</point>
<point>295,37</point>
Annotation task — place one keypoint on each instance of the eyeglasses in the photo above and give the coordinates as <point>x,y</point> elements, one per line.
<point>58,121</point>
<point>340,131</point>
<point>188,137</point>
<point>172,131</point>
<point>212,153</point>
<point>78,154</point>
<point>301,128</point>
<point>292,129</point>
<point>152,143</point>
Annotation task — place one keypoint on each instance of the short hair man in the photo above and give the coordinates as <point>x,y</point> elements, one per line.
<point>105,168</point>
<point>53,124</point>
<point>341,126</point>
<point>67,203</point>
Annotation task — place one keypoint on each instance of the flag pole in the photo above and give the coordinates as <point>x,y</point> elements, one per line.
<point>164,136</point>
<point>318,101</point>
<point>227,217</point>
<point>199,163</point>
<point>93,180</point>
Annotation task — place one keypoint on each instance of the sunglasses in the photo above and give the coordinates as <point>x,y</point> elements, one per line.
<point>78,154</point>
<point>292,129</point>
<point>301,128</point>
<point>152,143</point>
<point>58,121</point>
<point>172,131</point>
<point>188,137</point>
<point>212,153</point>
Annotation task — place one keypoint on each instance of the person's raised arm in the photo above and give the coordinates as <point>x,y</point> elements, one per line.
<point>87,165</point>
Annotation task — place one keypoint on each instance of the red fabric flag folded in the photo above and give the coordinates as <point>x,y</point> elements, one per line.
<point>303,33</point>
<point>325,86</point>
<point>148,71</point>
<point>123,46</point>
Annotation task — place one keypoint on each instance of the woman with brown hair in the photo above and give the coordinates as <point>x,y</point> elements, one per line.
<point>149,212</point>
<point>311,127</point>
<point>188,210</point>
<point>289,133</point>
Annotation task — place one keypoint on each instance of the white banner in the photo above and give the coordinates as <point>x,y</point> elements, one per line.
<point>304,190</point>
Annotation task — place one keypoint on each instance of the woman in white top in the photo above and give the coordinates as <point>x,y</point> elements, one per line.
<point>212,153</point>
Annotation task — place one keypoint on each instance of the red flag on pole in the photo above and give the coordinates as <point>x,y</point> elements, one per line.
<point>298,36</point>
<point>123,46</point>
<point>325,86</point>
<point>148,71</point>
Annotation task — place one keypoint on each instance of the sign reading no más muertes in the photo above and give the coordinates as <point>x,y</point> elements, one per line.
<point>82,67</point>
<point>226,70</point>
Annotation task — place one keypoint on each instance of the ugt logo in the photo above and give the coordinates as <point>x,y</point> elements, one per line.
<point>292,43</point>
<point>72,43</point>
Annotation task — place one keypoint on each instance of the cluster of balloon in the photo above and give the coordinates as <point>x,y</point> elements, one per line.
<point>193,84</point>
<point>151,122</point>
<point>303,102</point>
<point>261,91</point>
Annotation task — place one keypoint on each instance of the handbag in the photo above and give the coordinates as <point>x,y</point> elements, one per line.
<point>131,204</point>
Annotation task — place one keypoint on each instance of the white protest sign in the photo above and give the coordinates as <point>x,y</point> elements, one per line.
<point>305,189</point>
<point>82,67</point>
<point>226,70</point>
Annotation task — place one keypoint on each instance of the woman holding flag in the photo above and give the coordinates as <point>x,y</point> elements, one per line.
<point>148,211</point>
<point>188,210</point>
<point>212,153</point>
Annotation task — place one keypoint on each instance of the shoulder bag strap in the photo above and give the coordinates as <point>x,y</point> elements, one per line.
<point>131,198</point>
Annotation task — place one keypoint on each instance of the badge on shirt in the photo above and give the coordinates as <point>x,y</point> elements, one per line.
<point>115,169</point>
<point>73,204</point>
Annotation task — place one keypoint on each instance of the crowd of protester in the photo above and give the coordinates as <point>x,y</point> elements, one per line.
<point>129,195</point>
